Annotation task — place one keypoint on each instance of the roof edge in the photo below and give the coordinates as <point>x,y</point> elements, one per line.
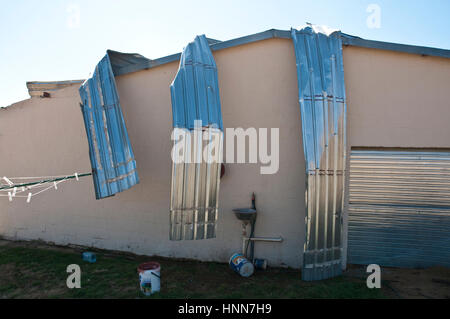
<point>390,46</point>
<point>37,88</point>
<point>272,33</point>
<point>347,40</point>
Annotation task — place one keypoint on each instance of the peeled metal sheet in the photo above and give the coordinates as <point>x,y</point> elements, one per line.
<point>323,112</point>
<point>112,158</point>
<point>195,89</point>
<point>399,208</point>
<point>122,63</point>
<point>197,121</point>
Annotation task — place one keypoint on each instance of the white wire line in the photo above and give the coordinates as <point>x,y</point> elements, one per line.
<point>40,191</point>
<point>22,188</point>
<point>51,186</point>
<point>13,194</point>
<point>40,180</point>
<point>10,183</point>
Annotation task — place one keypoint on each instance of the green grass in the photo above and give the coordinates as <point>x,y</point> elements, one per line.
<point>30,270</point>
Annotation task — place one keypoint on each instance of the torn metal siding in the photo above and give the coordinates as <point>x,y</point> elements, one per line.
<point>112,158</point>
<point>323,113</point>
<point>195,89</point>
<point>122,62</point>
<point>197,118</point>
<point>399,208</point>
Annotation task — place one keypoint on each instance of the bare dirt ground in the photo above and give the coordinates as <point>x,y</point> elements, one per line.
<point>429,283</point>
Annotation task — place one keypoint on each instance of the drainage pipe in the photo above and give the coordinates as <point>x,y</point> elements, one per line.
<point>269,239</point>
<point>253,239</point>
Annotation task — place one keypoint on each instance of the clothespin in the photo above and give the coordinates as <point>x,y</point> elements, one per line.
<point>29,197</point>
<point>6,179</point>
<point>54,183</point>
<point>76,177</point>
<point>14,191</point>
<point>10,196</point>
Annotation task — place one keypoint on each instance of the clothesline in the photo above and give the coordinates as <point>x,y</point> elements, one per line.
<point>15,189</point>
<point>38,177</point>
<point>51,180</point>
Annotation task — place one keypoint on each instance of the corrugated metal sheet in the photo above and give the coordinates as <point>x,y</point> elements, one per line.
<point>112,158</point>
<point>195,89</point>
<point>121,62</point>
<point>195,179</point>
<point>399,213</point>
<point>323,112</point>
<point>195,185</point>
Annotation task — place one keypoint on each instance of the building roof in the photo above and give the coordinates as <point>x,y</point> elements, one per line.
<point>37,88</point>
<point>347,40</point>
<point>124,63</point>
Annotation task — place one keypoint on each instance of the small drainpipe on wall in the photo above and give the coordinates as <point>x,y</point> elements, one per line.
<point>253,239</point>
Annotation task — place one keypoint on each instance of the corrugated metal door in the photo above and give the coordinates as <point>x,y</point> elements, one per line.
<point>399,212</point>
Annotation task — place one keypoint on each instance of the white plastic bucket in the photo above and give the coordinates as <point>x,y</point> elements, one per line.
<point>150,278</point>
<point>241,265</point>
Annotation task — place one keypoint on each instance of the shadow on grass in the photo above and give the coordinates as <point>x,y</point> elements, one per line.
<point>40,272</point>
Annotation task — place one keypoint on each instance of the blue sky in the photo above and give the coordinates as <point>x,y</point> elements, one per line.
<point>51,40</point>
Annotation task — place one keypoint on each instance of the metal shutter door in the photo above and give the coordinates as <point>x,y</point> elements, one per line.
<point>399,208</point>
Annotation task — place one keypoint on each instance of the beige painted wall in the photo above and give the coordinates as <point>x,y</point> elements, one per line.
<point>394,99</point>
<point>258,89</point>
<point>397,99</point>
